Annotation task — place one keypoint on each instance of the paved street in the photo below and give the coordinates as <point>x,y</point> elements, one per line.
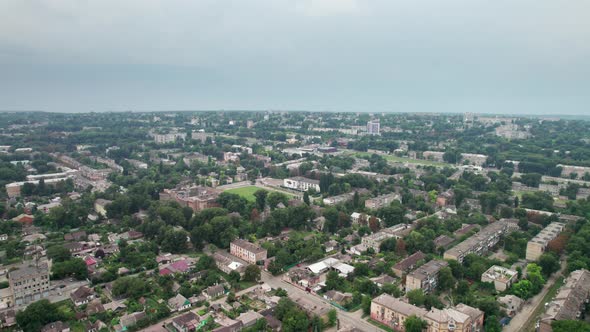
<point>526,313</point>
<point>349,319</point>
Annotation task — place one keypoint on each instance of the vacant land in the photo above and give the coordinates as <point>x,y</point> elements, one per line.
<point>246,192</point>
<point>393,158</point>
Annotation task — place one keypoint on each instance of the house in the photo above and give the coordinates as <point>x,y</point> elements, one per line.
<point>129,320</point>
<point>302,277</point>
<point>425,277</point>
<point>338,297</point>
<point>187,322</point>
<point>228,325</point>
<point>181,266</point>
<point>502,277</point>
<point>82,295</point>
<point>58,326</point>
<point>7,318</point>
<point>178,303</point>
<point>94,307</point>
<point>249,318</point>
<point>3,237</point>
<point>331,245</point>
<point>511,303</point>
<point>212,292</point>
<point>408,264</point>
<point>25,219</point>
<point>382,280</point>
<point>75,236</point>
<point>100,206</point>
<point>74,247</point>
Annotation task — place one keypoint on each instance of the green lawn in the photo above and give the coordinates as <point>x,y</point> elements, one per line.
<point>246,192</point>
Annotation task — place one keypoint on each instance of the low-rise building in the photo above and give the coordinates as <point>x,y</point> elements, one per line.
<point>29,283</point>
<point>247,251</point>
<point>195,197</point>
<point>511,303</point>
<point>393,312</point>
<point>186,322</point>
<point>502,277</point>
<point>301,183</point>
<point>570,301</point>
<point>82,295</point>
<point>178,303</point>
<point>408,264</point>
<point>537,245</point>
<point>481,242</point>
<point>382,201</point>
<point>425,277</point>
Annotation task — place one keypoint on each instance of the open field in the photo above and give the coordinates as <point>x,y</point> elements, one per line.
<point>246,192</point>
<point>393,158</point>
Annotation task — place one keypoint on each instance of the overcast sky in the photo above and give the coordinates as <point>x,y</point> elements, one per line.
<point>523,56</point>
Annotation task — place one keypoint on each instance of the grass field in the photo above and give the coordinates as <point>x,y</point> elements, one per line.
<point>246,192</point>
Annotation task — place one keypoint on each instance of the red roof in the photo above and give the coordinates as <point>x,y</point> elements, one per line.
<point>165,272</point>
<point>90,261</point>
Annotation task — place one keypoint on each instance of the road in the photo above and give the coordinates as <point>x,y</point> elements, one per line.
<point>347,319</point>
<point>525,315</point>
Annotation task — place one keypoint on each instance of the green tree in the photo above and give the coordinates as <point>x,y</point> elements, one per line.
<point>415,324</point>
<point>416,297</point>
<point>446,280</point>
<point>332,317</point>
<point>570,326</point>
<point>37,314</point>
<point>58,253</point>
<point>252,273</point>
<point>306,198</point>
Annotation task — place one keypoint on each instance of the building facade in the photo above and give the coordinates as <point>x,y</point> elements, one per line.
<point>247,251</point>
<point>29,283</point>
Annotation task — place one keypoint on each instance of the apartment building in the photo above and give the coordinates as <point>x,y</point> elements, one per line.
<point>29,283</point>
<point>537,245</point>
<point>502,277</point>
<point>481,242</point>
<point>168,138</point>
<point>195,197</point>
<point>433,155</point>
<point>408,264</point>
<point>247,251</point>
<point>301,183</point>
<point>425,277</point>
<point>373,127</point>
<point>382,201</point>
<point>570,301</point>
<point>393,312</point>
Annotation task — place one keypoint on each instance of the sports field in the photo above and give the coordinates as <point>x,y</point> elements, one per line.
<point>246,192</point>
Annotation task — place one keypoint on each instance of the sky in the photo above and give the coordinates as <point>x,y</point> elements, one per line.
<point>494,56</point>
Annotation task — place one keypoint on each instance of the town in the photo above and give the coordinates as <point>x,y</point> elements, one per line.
<point>293,221</point>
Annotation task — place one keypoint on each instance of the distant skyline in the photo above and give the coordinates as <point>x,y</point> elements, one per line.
<point>525,57</point>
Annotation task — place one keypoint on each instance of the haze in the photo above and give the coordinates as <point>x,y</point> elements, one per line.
<point>382,55</point>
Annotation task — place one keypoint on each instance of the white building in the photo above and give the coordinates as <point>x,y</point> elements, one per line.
<point>301,183</point>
